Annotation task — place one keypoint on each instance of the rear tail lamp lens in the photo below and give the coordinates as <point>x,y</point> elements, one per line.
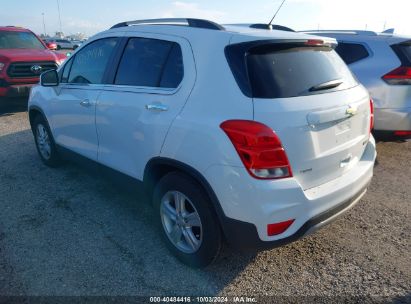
<point>259,148</point>
<point>398,76</point>
<point>371,115</point>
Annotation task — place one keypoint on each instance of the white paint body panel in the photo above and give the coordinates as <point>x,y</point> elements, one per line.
<point>130,134</point>
<point>126,135</point>
<point>74,124</point>
<point>265,202</point>
<point>317,151</point>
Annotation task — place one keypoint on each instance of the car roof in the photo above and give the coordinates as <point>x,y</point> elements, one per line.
<point>13,29</point>
<point>242,32</point>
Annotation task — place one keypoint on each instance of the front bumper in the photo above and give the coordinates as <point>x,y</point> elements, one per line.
<point>249,205</point>
<point>17,87</point>
<point>15,90</point>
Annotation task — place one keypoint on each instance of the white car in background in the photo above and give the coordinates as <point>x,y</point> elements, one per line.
<point>64,44</point>
<point>253,136</point>
<point>76,43</point>
<point>382,63</point>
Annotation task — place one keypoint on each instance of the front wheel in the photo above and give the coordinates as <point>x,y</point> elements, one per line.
<point>189,225</point>
<point>45,143</point>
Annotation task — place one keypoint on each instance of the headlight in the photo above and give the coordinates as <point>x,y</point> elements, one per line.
<point>1,66</point>
<point>60,62</point>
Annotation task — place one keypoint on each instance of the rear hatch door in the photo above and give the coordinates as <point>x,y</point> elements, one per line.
<point>308,96</point>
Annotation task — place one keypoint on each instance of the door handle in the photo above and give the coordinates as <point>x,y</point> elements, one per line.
<point>85,103</point>
<point>156,107</point>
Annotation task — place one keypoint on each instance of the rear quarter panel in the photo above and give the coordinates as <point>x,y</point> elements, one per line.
<point>195,137</point>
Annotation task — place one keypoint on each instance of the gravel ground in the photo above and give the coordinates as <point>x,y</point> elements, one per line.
<point>67,232</point>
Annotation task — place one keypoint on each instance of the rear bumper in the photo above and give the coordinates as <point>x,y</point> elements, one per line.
<point>250,205</point>
<point>244,235</point>
<point>391,135</point>
<point>392,119</point>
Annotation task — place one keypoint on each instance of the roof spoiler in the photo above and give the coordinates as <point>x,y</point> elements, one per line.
<point>389,31</point>
<point>264,26</point>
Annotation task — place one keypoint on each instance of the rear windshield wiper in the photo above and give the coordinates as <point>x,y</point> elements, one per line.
<point>326,85</point>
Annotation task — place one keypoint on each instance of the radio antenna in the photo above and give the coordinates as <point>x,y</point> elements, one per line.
<point>275,15</point>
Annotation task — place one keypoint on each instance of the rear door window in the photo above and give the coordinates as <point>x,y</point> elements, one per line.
<point>150,63</point>
<point>283,71</point>
<point>351,52</point>
<point>173,69</point>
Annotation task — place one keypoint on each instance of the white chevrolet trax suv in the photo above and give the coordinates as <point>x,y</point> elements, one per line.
<point>241,134</point>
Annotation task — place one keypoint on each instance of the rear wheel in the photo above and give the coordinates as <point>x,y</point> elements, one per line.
<point>189,225</point>
<point>45,143</point>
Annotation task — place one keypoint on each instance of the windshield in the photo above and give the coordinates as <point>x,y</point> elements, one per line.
<point>19,40</point>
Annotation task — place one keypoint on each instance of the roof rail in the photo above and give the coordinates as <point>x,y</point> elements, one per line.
<point>352,32</point>
<point>190,22</point>
<point>264,26</point>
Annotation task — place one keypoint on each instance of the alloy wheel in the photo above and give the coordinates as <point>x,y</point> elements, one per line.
<point>181,222</point>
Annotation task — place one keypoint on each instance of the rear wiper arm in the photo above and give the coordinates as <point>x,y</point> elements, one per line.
<point>326,85</point>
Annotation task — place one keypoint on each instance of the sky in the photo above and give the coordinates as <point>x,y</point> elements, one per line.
<point>92,16</point>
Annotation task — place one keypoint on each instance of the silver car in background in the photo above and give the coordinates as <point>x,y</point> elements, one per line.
<point>63,43</point>
<point>382,63</point>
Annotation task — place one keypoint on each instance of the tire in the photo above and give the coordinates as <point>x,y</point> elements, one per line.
<point>192,234</point>
<point>45,144</point>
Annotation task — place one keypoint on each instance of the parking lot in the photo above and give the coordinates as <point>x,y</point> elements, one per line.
<point>69,232</point>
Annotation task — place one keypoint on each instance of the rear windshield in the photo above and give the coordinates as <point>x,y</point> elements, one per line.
<point>296,71</point>
<point>403,51</point>
<point>19,40</point>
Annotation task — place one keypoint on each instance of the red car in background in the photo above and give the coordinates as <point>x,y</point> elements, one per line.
<point>23,57</point>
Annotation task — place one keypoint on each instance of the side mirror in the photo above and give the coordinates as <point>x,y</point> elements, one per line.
<point>49,79</point>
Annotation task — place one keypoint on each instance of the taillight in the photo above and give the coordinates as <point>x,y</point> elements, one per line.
<point>398,76</point>
<point>259,148</point>
<point>371,115</point>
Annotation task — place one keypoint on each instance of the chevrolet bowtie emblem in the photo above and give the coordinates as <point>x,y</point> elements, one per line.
<point>351,111</point>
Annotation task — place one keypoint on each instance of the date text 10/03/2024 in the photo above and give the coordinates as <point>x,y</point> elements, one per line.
<point>203,300</point>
